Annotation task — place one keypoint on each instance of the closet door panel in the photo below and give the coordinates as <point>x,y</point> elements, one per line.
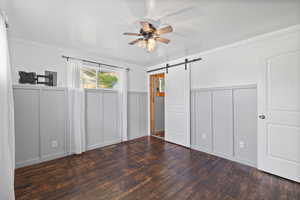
<point>223,122</point>
<point>52,122</point>
<point>26,102</point>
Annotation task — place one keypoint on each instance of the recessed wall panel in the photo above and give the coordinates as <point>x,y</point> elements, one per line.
<point>223,122</point>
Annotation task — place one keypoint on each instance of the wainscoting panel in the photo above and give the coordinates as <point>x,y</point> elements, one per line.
<point>102,118</point>
<point>143,113</point>
<point>27,125</point>
<point>111,117</point>
<point>201,120</point>
<point>40,121</point>
<point>137,114</point>
<point>224,122</point>
<point>94,117</point>
<point>245,125</point>
<point>53,122</point>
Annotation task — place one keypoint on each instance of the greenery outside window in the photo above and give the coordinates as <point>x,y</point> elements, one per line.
<point>93,78</point>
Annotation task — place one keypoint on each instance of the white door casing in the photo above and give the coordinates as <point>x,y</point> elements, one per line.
<point>177,105</point>
<point>279,105</point>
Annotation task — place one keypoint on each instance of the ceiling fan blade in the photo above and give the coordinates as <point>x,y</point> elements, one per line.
<point>146,26</point>
<point>133,34</point>
<point>163,40</point>
<point>134,41</point>
<point>164,30</point>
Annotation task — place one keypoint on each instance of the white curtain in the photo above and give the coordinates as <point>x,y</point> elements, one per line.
<point>7,132</point>
<point>76,102</point>
<point>123,103</point>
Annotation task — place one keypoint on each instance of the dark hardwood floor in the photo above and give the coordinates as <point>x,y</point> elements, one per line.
<point>149,168</point>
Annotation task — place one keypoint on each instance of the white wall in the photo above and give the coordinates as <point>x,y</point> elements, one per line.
<point>31,56</point>
<point>236,65</point>
<point>36,57</point>
<point>241,62</point>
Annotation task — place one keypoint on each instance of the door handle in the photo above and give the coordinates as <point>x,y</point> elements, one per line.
<point>262,117</point>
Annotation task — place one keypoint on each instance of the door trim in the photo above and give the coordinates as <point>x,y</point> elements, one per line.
<point>149,97</point>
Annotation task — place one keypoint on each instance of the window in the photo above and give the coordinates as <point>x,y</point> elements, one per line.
<point>88,78</point>
<point>160,78</point>
<point>107,79</point>
<point>94,78</point>
<point>161,84</point>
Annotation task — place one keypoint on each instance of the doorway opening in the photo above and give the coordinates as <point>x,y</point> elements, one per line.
<point>157,105</point>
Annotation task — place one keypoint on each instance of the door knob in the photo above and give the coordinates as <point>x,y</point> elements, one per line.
<point>262,117</point>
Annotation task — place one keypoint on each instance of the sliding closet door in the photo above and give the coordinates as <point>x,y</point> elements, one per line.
<point>177,106</point>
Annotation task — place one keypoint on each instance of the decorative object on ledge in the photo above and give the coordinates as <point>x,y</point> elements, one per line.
<point>50,78</point>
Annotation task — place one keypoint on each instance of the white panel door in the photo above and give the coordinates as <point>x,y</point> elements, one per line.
<point>279,120</point>
<point>177,106</point>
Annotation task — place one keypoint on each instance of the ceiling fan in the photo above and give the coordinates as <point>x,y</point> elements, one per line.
<point>149,35</point>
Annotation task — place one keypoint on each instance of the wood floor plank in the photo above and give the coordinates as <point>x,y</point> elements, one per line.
<point>148,168</point>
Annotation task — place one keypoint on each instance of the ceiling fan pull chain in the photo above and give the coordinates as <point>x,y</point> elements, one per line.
<point>185,65</point>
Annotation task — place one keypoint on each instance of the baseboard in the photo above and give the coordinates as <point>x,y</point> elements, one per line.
<point>53,156</point>
<point>40,159</point>
<point>27,162</point>
<point>96,146</point>
<point>139,136</point>
<point>234,159</point>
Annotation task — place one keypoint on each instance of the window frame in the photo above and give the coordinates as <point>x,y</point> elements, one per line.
<point>101,69</point>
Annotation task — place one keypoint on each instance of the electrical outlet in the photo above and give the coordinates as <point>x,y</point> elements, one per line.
<point>242,144</point>
<point>203,136</point>
<point>54,144</point>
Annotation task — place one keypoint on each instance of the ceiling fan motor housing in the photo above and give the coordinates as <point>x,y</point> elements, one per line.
<point>148,34</point>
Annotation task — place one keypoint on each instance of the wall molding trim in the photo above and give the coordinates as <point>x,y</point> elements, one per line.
<point>137,92</point>
<point>226,87</point>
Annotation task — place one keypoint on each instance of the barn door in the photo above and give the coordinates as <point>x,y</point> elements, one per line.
<point>177,105</point>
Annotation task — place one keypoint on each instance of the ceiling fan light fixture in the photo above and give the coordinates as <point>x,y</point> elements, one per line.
<point>150,35</point>
<point>151,44</point>
<point>142,43</point>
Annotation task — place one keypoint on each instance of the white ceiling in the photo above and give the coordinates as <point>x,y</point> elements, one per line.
<point>96,26</point>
